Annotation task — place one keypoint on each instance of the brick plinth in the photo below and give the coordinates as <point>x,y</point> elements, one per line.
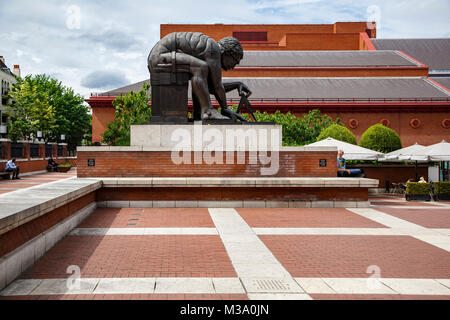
<point>230,194</point>
<point>160,164</point>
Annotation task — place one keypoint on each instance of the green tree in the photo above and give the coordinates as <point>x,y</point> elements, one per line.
<point>131,109</point>
<point>297,131</point>
<point>338,132</point>
<point>59,110</point>
<point>380,138</point>
<point>30,111</point>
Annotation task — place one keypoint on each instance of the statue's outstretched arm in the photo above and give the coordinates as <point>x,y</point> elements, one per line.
<point>237,85</point>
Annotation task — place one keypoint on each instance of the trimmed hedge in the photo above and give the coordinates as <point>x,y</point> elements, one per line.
<point>418,188</point>
<point>338,132</point>
<point>380,138</point>
<point>442,187</point>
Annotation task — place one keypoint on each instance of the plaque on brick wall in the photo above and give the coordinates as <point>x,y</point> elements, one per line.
<point>323,162</point>
<point>91,162</point>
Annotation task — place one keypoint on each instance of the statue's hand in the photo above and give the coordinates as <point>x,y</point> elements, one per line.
<point>243,89</point>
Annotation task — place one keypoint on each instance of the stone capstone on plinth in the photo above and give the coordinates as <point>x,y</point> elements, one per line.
<point>199,136</point>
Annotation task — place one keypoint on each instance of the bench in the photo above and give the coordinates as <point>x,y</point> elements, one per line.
<point>5,174</point>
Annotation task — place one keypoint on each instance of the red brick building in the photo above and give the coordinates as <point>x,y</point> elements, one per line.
<point>340,69</point>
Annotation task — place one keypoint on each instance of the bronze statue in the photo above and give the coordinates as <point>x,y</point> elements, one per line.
<point>203,59</point>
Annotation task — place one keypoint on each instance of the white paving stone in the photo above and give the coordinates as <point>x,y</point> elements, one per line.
<point>253,259</point>
<point>184,285</point>
<point>61,286</point>
<point>278,296</point>
<point>417,286</point>
<point>21,287</point>
<point>445,282</point>
<point>314,285</point>
<point>125,285</point>
<point>358,286</point>
<point>228,285</point>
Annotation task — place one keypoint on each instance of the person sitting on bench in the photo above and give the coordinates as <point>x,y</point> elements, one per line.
<point>11,167</point>
<point>343,171</point>
<point>52,165</point>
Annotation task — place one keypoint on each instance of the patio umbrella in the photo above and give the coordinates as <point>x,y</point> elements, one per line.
<point>351,151</point>
<point>408,153</point>
<point>411,153</point>
<point>437,152</point>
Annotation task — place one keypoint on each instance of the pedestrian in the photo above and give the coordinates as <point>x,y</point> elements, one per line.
<point>11,167</point>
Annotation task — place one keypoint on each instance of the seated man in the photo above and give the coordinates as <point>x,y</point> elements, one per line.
<point>11,167</point>
<point>52,165</point>
<point>205,58</point>
<point>343,172</point>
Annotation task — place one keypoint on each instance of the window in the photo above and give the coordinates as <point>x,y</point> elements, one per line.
<point>250,35</point>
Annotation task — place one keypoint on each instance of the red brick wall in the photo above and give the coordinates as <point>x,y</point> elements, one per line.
<point>394,174</point>
<point>26,232</point>
<point>159,164</point>
<point>230,194</point>
<point>36,165</point>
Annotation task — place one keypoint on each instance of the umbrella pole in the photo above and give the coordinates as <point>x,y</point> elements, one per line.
<point>417,175</point>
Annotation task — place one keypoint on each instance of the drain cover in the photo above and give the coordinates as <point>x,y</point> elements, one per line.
<point>271,285</point>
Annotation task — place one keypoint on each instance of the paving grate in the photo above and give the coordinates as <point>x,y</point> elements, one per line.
<point>271,286</point>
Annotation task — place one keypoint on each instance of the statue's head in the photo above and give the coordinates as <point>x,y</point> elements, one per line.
<point>231,51</point>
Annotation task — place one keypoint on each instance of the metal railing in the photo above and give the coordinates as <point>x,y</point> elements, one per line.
<point>311,100</point>
<point>48,150</point>
<point>16,150</point>
<point>34,150</point>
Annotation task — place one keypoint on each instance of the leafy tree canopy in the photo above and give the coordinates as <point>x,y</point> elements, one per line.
<point>131,109</point>
<point>338,132</point>
<point>42,103</point>
<point>380,138</point>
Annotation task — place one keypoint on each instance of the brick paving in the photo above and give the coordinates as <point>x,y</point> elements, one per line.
<point>136,257</point>
<point>377,297</point>
<point>314,255</point>
<point>153,296</point>
<point>149,218</point>
<point>27,181</point>
<point>305,218</point>
<point>439,218</point>
<point>324,256</point>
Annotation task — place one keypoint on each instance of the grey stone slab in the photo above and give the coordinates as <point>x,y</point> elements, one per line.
<point>141,204</point>
<point>13,266</point>
<point>254,204</point>
<point>417,286</point>
<point>184,285</point>
<point>164,204</point>
<point>118,204</point>
<point>261,270</point>
<point>21,287</point>
<point>277,204</point>
<point>125,286</point>
<point>186,204</point>
<point>228,285</point>
<point>300,204</point>
<point>66,286</point>
<point>359,286</point>
<point>314,285</point>
<point>322,204</point>
<point>2,273</point>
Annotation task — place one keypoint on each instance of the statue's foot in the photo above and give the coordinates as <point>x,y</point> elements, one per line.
<point>213,114</point>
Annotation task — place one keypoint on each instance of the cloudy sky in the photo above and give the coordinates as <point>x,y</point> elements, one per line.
<point>98,45</point>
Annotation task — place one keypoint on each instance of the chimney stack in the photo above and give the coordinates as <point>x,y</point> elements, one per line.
<point>16,70</point>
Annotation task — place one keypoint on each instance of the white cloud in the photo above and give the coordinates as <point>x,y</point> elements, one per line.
<point>117,36</point>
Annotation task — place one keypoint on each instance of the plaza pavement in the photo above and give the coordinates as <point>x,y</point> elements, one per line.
<point>392,250</point>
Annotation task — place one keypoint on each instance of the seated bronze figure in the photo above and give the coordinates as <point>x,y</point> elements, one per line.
<point>202,59</point>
